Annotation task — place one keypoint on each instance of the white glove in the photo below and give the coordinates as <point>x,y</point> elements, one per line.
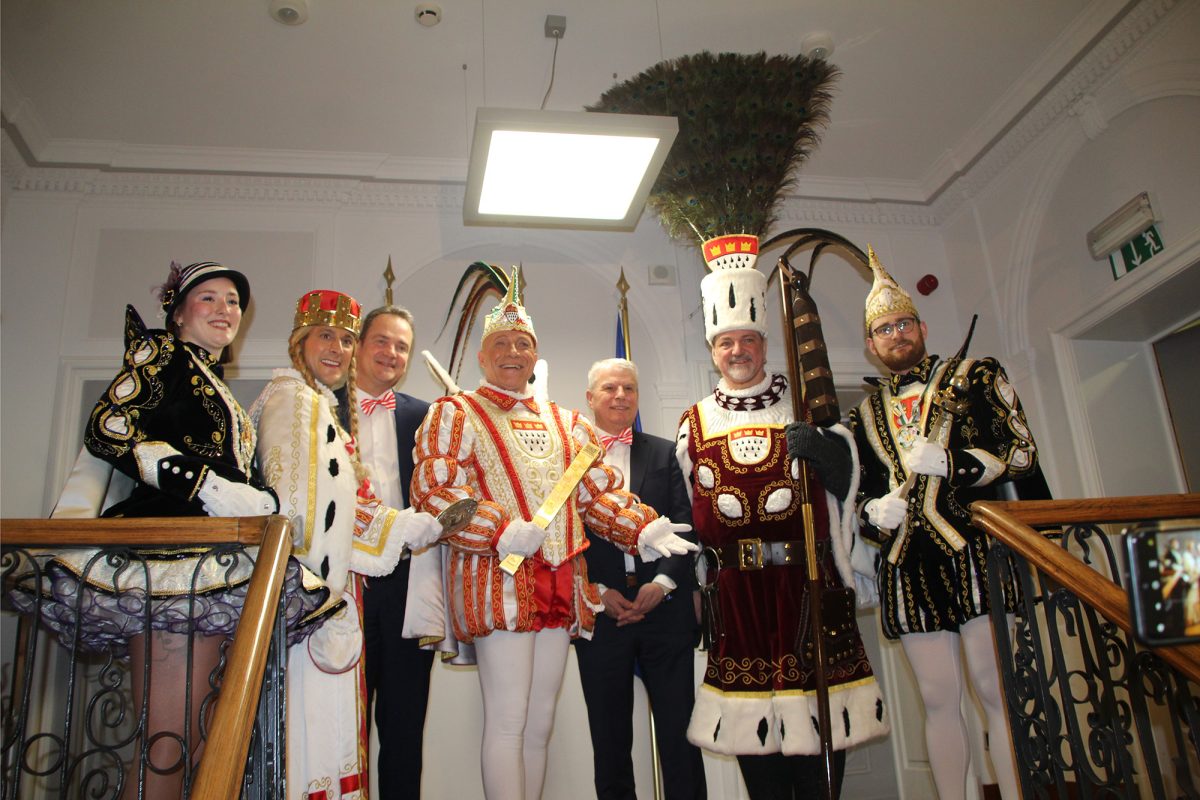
<point>887,512</point>
<point>926,458</point>
<point>225,498</point>
<point>521,537</point>
<point>418,529</point>
<point>659,540</point>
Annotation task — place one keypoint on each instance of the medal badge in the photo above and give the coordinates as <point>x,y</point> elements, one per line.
<point>532,435</point>
<point>750,446</point>
<point>458,515</point>
<point>906,419</point>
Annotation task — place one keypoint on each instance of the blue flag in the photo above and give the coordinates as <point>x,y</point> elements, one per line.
<point>623,352</point>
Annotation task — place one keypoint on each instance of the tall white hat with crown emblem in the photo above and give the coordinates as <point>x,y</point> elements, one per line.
<point>734,293</point>
<point>886,296</point>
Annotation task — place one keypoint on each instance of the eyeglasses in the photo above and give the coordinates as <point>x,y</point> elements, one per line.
<point>888,328</point>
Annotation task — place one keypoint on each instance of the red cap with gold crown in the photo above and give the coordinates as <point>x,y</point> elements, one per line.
<point>328,307</point>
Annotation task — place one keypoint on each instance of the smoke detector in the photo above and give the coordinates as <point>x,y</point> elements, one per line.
<point>429,14</point>
<point>817,45</point>
<point>288,12</point>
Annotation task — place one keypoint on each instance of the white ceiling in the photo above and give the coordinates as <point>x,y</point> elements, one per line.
<point>362,90</point>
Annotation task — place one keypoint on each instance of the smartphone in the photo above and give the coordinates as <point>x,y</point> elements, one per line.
<point>1163,566</point>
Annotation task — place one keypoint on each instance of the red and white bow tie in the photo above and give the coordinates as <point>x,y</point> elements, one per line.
<point>386,400</point>
<point>624,437</point>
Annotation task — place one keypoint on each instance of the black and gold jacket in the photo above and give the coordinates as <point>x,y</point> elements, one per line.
<point>986,443</point>
<point>167,420</point>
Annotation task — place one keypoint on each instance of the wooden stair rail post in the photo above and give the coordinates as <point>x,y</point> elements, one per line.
<point>229,736</point>
<point>1110,600</point>
<point>223,763</point>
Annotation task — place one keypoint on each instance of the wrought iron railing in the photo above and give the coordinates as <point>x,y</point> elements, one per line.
<point>76,719</point>
<point>1092,713</point>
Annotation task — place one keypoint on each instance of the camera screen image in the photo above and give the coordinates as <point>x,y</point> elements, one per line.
<point>1173,573</point>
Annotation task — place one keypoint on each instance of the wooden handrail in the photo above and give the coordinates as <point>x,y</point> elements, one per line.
<point>999,521</point>
<point>223,763</point>
<point>1101,509</point>
<point>224,759</point>
<point>137,531</point>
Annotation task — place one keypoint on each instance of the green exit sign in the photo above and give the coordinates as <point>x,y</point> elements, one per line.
<point>1135,252</point>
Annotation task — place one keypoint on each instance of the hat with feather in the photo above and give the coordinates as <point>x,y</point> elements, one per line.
<point>509,314</point>
<point>746,124</point>
<point>181,280</point>
<point>886,296</point>
<point>478,281</point>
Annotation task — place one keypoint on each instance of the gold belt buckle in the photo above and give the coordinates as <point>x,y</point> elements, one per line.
<point>750,554</point>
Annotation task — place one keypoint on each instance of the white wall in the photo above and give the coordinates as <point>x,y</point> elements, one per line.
<point>1024,235</point>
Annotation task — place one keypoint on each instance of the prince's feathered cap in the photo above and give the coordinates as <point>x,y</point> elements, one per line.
<point>478,281</point>
<point>509,314</point>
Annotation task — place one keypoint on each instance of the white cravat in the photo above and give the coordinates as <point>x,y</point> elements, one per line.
<point>377,448</point>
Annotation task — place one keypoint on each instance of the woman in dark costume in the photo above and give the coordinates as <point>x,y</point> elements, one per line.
<point>169,422</point>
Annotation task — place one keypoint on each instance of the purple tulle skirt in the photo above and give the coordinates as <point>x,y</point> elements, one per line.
<point>97,599</point>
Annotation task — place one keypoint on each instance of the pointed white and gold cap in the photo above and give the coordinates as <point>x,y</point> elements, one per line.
<point>509,314</point>
<point>886,296</point>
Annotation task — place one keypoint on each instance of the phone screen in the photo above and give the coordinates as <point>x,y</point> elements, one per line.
<point>1164,581</point>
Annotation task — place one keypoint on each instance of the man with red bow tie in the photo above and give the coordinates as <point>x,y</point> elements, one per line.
<point>397,669</point>
<point>649,617</point>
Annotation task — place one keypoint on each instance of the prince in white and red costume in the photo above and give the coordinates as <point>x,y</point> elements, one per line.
<point>501,447</point>
<point>758,700</point>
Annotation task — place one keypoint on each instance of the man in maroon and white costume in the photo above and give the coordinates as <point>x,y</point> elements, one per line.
<point>758,700</point>
<point>501,447</point>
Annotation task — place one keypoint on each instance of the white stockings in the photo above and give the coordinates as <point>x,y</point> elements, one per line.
<point>519,674</point>
<point>937,663</point>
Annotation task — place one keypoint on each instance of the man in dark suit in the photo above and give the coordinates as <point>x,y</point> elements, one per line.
<point>649,620</point>
<point>397,669</point>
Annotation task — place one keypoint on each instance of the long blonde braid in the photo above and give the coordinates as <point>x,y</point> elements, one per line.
<point>296,354</point>
<point>360,470</point>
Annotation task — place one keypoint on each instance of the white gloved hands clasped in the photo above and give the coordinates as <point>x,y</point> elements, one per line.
<point>226,498</point>
<point>521,538</point>
<point>887,512</point>
<point>660,539</point>
<point>926,458</point>
<point>418,529</point>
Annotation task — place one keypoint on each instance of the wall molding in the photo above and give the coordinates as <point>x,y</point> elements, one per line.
<point>367,180</point>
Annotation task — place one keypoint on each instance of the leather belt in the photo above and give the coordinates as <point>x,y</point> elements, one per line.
<point>754,554</point>
<point>631,580</point>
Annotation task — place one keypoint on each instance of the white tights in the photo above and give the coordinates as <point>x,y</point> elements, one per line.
<point>519,674</point>
<point>937,663</point>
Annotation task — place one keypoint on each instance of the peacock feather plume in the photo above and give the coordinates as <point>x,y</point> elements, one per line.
<point>746,124</point>
<point>479,280</point>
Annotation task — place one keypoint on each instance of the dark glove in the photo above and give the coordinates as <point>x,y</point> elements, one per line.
<point>828,454</point>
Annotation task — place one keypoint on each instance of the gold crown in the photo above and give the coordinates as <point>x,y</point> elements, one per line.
<point>327,307</point>
<point>731,251</point>
<point>886,296</point>
<point>509,314</point>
